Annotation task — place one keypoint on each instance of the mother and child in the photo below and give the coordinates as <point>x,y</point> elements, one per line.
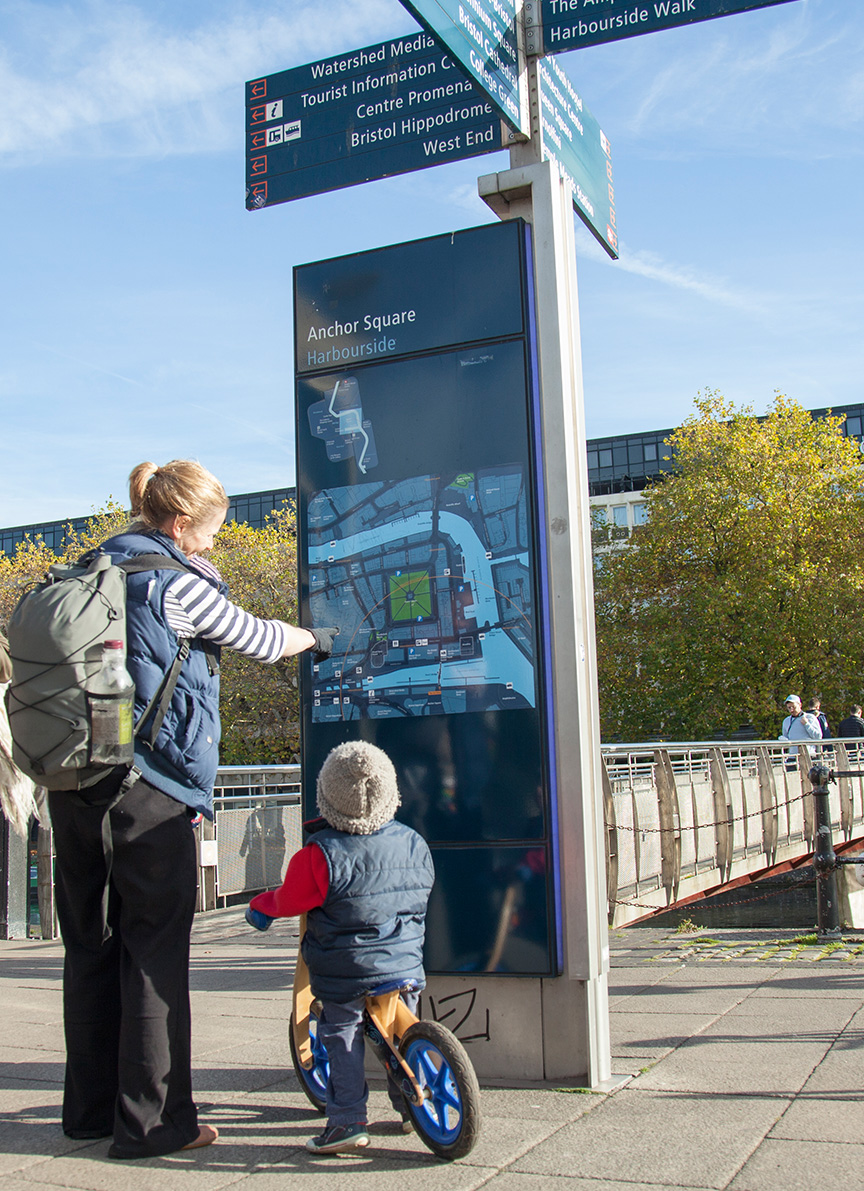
<point>364,880</point>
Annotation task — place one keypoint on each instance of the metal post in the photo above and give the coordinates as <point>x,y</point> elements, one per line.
<point>14,882</point>
<point>824,858</point>
<point>575,1008</point>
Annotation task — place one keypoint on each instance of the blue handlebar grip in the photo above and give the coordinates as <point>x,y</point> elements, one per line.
<point>257,919</point>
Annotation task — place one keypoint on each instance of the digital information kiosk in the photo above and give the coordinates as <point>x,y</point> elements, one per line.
<point>419,490</point>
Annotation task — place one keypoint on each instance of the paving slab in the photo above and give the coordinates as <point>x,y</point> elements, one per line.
<point>841,1073</point>
<point>44,1066</point>
<point>797,1165</point>
<point>676,998</point>
<point>93,1170</point>
<point>838,1118</point>
<point>517,1181</point>
<point>819,986</point>
<point>537,1104</point>
<point>747,1069</point>
<point>659,1137</point>
<point>368,1171</point>
<point>752,1078</point>
<point>639,1037</point>
<point>772,1014</point>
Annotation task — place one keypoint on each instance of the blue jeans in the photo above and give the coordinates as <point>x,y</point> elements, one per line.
<point>340,1029</point>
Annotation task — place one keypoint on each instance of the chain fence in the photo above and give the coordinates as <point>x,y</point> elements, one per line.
<point>681,820</point>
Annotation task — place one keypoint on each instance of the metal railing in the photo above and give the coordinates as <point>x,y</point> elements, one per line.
<point>257,829</point>
<point>681,819</point>
<point>685,818</point>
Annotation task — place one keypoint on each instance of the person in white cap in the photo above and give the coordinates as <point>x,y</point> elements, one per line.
<point>363,881</point>
<point>799,725</point>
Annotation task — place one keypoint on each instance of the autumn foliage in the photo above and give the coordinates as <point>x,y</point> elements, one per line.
<point>746,583</point>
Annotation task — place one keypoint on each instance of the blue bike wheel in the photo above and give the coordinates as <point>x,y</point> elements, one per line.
<point>448,1120</point>
<point>313,1080</point>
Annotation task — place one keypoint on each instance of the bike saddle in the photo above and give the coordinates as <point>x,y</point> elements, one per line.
<point>394,986</point>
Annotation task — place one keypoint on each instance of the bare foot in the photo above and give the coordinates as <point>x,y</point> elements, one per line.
<point>206,1136</point>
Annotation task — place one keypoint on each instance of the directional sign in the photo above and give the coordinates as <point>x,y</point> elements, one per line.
<point>574,141</point>
<point>389,108</point>
<point>482,36</point>
<point>572,24</point>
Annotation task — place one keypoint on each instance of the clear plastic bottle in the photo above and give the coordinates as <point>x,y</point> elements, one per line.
<point>111,699</point>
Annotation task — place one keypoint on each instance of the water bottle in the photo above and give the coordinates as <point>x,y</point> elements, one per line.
<point>111,702</point>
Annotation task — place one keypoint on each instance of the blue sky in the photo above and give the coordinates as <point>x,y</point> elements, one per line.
<point>147,315</point>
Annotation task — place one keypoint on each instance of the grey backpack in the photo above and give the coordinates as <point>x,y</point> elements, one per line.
<point>56,634</point>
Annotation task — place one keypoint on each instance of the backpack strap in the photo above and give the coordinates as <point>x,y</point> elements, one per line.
<point>162,697</point>
<point>152,562</point>
<point>108,843</point>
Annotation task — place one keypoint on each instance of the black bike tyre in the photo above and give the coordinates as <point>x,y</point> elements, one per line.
<point>459,1141</point>
<point>306,1078</point>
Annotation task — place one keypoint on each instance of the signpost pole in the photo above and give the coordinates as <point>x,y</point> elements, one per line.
<point>575,1005</point>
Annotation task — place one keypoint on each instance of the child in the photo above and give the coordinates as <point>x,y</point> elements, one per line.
<point>363,881</point>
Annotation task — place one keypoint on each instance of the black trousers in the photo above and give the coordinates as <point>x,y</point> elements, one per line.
<point>126,999</point>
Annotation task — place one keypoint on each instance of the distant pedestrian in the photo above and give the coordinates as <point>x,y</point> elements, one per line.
<point>798,725</point>
<point>853,725</point>
<point>814,707</point>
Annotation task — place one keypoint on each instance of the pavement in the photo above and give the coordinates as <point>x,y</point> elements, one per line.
<point>743,1053</point>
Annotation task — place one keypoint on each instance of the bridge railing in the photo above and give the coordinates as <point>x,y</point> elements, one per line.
<point>687,817</point>
<point>257,829</point>
<point>681,818</point>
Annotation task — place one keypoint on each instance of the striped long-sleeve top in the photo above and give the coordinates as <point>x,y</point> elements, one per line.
<point>194,608</point>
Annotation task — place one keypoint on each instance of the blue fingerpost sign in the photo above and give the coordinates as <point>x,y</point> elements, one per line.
<point>482,36</point>
<point>572,139</point>
<point>385,109</point>
<point>572,24</point>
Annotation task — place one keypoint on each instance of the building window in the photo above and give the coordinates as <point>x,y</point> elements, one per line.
<point>605,458</point>
<point>640,513</point>
<point>853,427</point>
<point>619,515</point>
<point>650,452</point>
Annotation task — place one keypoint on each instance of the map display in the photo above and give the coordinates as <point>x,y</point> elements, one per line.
<point>420,525</point>
<point>429,582</point>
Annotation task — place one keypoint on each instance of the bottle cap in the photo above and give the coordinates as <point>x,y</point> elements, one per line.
<point>112,644</point>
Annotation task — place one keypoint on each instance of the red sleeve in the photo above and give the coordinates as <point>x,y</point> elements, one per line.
<point>306,883</point>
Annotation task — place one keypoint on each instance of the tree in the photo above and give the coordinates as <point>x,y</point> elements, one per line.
<point>32,558</point>
<point>745,583</point>
<point>259,704</point>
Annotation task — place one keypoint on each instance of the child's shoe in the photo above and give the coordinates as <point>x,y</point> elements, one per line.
<point>337,1139</point>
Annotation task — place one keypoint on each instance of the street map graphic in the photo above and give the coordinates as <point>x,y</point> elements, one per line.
<point>339,422</point>
<point>429,581</point>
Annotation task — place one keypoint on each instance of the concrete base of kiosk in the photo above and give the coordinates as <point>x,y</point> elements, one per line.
<point>521,1030</point>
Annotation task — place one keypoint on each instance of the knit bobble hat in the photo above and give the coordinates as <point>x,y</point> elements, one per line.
<point>357,789</point>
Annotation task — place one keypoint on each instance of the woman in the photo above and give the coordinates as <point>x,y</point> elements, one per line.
<point>126,929</point>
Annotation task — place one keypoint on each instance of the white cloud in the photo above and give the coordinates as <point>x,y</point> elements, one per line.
<point>651,266</point>
<point>111,78</point>
<point>774,310</point>
<point>89,365</point>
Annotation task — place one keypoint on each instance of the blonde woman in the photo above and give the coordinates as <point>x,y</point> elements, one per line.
<point>126,924</point>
